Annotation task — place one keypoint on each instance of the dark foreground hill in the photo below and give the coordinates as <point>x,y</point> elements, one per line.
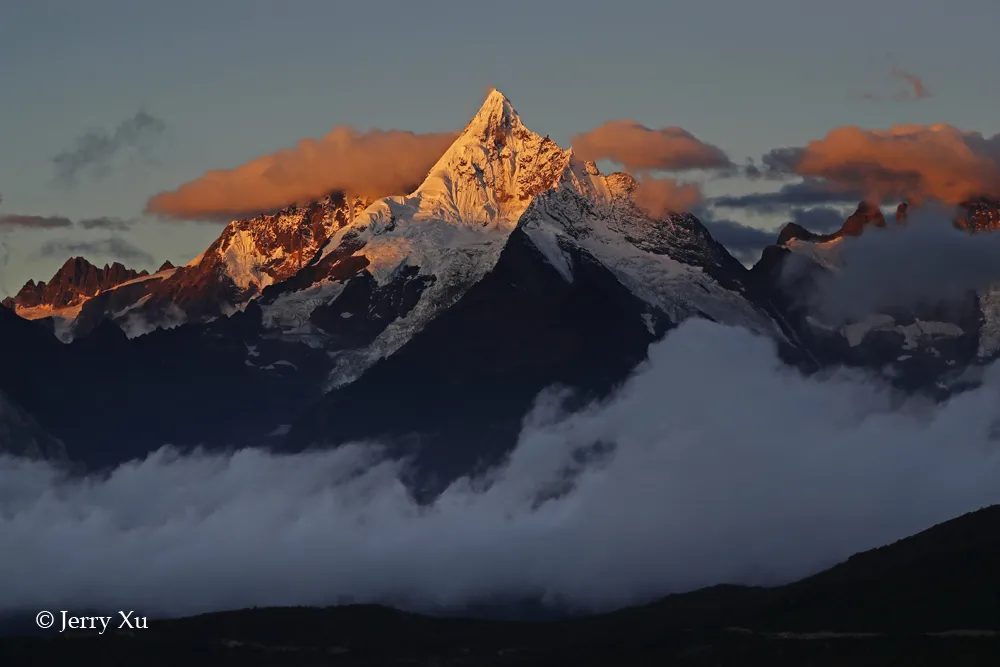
<point>931,599</point>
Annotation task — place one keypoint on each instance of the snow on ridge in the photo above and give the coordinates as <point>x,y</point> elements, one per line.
<point>591,214</point>
<point>912,333</point>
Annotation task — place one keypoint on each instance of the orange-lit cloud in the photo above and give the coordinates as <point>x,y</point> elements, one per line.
<point>375,163</point>
<point>903,162</point>
<point>660,196</point>
<point>639,148</point>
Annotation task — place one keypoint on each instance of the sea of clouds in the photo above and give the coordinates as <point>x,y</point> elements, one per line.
<point>713,463</point>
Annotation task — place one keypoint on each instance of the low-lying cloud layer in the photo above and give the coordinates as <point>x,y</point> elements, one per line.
<point>375,163</point>
<point>639,148</point>
<point>728,466</point>
<point>926,262</point>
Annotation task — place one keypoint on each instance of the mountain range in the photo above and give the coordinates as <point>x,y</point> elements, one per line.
<point>433,319</point>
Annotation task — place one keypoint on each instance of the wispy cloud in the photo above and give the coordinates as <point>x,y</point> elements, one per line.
<point>112,247</point>
<point>106,223</point>
<point>11,220</point>
<point>95,151</point>
<point>809,192</point>
<point>917,88</point>
<point>914,91</point>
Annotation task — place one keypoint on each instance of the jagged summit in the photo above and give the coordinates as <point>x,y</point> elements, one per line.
<point>491,171</point>
<point>494,119</point>
<point>75,281</point>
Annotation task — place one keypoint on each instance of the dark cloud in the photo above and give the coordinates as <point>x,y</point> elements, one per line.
<point>113,247</point>
<point>639,148</point>
<point>915,89</point>
<point>747,242</point>
<point>776,165</point>
<point>809,192</point>
<point>106,223</point>
<point>34,221</point>
<point>95,151</point>
<point>727,466</point>
<point>820,219</point>
<point>926,262</point>
<point>744,242</point>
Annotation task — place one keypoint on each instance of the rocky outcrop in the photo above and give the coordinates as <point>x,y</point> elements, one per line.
<point>76,281</point>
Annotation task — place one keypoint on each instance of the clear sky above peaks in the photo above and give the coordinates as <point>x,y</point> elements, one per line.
<point>234,79</point>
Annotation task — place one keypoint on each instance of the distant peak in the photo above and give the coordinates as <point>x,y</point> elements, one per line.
<point>165,266</point>
<point>867,213</point>
<point>795,232</point>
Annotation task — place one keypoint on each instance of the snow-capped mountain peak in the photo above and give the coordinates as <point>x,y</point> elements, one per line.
<point>491,171</point>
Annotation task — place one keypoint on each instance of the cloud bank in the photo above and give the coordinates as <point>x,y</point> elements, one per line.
<point>714,463</point>
<point>639,148</point>
<point>374,164</point>
<point>913,162</point>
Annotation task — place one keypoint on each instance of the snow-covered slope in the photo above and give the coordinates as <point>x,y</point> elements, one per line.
<point>448,234</point>
<point>671,263</point>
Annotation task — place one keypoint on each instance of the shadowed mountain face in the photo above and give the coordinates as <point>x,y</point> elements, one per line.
<point>462,385</point>
<point>20,435</point>
<point>511,268</point>
<point>924,348</point>
<point>926,600</point>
